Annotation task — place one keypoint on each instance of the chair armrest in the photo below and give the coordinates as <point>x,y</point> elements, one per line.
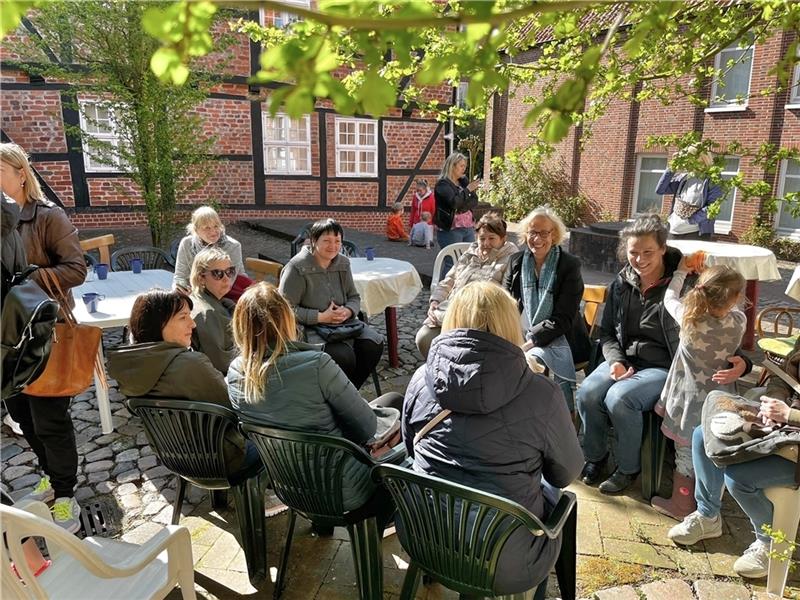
<point>395,456</point>
<point>35,508</point>
<point>558,516</point>
<point>166,539</point>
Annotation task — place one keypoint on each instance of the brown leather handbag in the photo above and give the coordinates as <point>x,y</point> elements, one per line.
<point>73,355</point>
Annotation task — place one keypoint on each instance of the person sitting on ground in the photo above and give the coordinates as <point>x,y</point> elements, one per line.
<point>639,339</point>
<point>508,431</point>
<point>206,229</point>
<point>282,382</point>
<point>318,283</point>
<point>484,260</point>
<point>745,481</point>
<point>546,281</point>
<point>422,232</point>
<point>395,230</point>
<point>212,278</point>
<point>159,363</point>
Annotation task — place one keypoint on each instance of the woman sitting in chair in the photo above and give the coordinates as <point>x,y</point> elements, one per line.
<point>284,383</point>
<point>319,284</point>
<point>547,284</point>
<point>507,428</point>
<point>212,278</point>
<point>484,260</point>
<point>206,229</point>
<point>159,363</point>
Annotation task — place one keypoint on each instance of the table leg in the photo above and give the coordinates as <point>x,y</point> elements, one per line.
<point>391,335</point>
<point>101,393</point>
<point>751,293</point>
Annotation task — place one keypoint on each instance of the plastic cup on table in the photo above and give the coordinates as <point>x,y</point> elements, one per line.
<point>136,265</point>
<point>101,269</point>
<point>370,252</point>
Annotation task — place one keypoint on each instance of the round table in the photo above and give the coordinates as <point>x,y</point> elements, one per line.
<point>753,262</point>
<point>384,284</point>
<point>793,289</point>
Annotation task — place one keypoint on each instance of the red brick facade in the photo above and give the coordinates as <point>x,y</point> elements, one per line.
<point>33,114</point>
<point>605,169</point>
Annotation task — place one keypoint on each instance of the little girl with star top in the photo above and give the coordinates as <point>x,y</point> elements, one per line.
<point>711,330</point>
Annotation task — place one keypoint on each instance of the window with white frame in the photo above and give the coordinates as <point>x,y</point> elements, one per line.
<point>786,224</point>
<point>649,170</point>
<point>283,18</point>
<point>98,122</point>
<point>731,84</point>
<point>794,93</point>
<point>725,215</point>
<point>356,148</point>
<point>287,144</point>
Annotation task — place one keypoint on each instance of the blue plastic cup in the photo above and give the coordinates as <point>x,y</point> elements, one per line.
<point>90,299</point>
<point>370,252</point>
<point>101,269</point>
<point>136,265</point>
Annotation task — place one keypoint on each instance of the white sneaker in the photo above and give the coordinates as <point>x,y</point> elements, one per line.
<point>66,514</point>
<point>12,424</point>
<point>43,492</point>
<point>695,527</point>
<point>754,563</point>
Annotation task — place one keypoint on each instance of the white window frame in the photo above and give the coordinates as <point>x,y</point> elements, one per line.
<point>284,18</point>
<point>783,231</point>
<point>635,203</point>
<point>114,138</point>
<point>357,148</point>
<point>286,143</point>
<point>794,90</point>
<point>724,227</point>
<point>730,105</point>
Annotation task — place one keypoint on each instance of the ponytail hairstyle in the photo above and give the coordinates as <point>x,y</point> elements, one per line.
<point>263,325</point>
<point>717,288</point>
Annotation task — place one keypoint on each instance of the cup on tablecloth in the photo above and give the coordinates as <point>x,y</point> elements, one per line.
<point>370,252</point>
<point>101,269</point>
<point>136,265</point>
<point>90,299</point>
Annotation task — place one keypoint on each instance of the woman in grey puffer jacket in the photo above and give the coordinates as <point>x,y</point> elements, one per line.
<point>509,429</point>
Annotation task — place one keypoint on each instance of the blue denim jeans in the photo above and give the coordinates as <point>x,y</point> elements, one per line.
<point>454,236</point>
<point>746,482</point>
<point>602,400</point>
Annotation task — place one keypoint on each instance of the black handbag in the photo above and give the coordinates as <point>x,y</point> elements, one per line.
<point>338,333</point>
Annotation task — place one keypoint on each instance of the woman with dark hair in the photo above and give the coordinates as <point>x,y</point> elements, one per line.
<point>51,243</point>
<point>159,363</point>
<point>319,285</point>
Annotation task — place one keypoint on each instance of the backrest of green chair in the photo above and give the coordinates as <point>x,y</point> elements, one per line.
<point>306,469</point>
<point>188,437</point>
<point>451,531</point>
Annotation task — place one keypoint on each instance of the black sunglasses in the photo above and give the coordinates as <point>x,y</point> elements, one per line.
<point>218,274</point>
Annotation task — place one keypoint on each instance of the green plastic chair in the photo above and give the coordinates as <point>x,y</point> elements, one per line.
<point>188,437</point>
<point>654,448</point>
<point>306,470</point>
<point>460,552</point>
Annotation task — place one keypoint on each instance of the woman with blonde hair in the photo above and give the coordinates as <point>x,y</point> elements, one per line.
<point>212,278</point>
<point>546,281</point>
<point>455,197</point>
<point>506,430</point>
<point>51,243</point>
<point>282,382</point>
<point>204,230</point>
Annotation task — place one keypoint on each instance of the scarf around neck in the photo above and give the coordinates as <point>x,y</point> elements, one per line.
<point>537,293</point>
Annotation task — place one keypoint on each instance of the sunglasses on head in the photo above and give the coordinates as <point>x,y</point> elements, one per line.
<point>218,274</point>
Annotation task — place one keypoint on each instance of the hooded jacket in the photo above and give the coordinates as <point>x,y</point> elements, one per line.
<point>509,429</point>
<point>213,335</point>
<point>167,370</point>
<point>13,250</point>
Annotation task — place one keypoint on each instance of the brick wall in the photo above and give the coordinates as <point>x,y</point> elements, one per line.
<point>33,119</point>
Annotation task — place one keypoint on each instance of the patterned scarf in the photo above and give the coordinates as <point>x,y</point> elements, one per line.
<point>537,293</point>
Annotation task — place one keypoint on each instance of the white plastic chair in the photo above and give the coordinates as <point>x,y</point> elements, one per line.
<point>96,568</point>
<point>785,518</point>
<point>454,251</point>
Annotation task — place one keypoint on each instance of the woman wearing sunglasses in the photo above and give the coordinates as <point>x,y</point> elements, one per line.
<point>212,277</point>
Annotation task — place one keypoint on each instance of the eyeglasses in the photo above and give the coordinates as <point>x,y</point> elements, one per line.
<point>218,274</point>
<point>542,234</point>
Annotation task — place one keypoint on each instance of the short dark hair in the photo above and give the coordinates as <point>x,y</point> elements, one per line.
<point>647,224</point>
<point>152,311</point>
<point>322,227</point>
<point>493,223</point>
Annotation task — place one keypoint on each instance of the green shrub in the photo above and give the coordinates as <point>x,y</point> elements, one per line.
<point>762,234</point>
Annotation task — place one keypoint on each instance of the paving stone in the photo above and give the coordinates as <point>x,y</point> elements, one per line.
<point>142,533</point>
<point>99,454</point>
<point>100,465</point>
<point>83,494</point>
<point>141,438</point>
<point>614,522</point>
<point>710,589</point>
<point>636,552</point>
<point>79,425</point>
<point>130,429</point>
<point>123,413</point>
<point>156,472</point>
<point>127,455</point>
<point>123,443</point>
<point>690,563</point>
<point>127,488</point>
<point>98,476</point>
<point>122,468</point>
<point>165,516</point>
<point>11,473</point>
<point>128,476</point>
<point>89,416</point>
<point>25,481</point>
<point>148,462</point>
<point>81,406</point>
<point>9,451</point>
<point>764,595</point>
<point>622,592</point>
<point>668,589</point>
<point>146,451</point>
<point>130,501</point>
<point>588,533</point>
<point>105,487</point>
<point>22,458</point>
<point>86,448</point>
<point>151,508</point>
<point>106,439</point>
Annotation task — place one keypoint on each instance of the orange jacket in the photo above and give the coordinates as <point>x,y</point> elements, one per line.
<point>395,229</point>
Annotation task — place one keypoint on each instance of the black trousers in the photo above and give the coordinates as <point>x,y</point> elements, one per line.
<point>357,358</point>
<point>47,426</point>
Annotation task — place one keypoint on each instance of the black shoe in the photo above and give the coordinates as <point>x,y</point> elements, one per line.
<point>593,471</point>
<point>617,483</point>
<point>322,530</point>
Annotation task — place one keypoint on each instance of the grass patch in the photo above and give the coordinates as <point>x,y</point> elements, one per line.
<point>596,573</point>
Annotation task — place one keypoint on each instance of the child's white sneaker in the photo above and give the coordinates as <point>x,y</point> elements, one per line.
<point>66,514</point>
<point>695,527</point>
<point>754,563</point>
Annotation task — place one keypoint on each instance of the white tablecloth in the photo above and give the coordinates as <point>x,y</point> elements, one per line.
<point>793,289</point>
<point>384,282</point>
<point>753,262</point>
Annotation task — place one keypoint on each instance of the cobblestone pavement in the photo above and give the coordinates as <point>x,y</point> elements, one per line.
<point>120,472</point>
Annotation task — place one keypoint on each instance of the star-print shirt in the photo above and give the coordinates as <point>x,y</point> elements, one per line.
<point>699,356</point>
